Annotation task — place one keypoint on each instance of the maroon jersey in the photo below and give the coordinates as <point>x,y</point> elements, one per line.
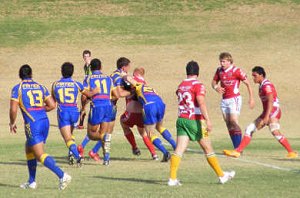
<point>187,92</point>
<point>230,80</point>
<point>266,88</point>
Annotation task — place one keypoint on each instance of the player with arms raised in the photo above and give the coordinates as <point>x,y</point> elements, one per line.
<point>229,77</point>
<point>270,116</point>
<point>193,124</point>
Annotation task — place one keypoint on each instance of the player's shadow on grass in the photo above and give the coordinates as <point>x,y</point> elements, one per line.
<point>9,185</point>
<point>130,179</point>
<point>18,163</point>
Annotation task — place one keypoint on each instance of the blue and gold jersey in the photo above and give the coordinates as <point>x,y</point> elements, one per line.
<point>117,78</point>
<point>104,84</point>
<point>66,92</point>
<point>146,94</point>
<point>31,97</point>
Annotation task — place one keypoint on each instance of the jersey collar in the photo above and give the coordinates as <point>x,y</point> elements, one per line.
<point>96,72</point>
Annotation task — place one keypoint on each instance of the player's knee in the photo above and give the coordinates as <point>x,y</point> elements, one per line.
<point>274,127</point>
<point>251,128</point>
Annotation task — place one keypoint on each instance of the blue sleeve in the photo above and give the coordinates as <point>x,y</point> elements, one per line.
<point>80,86</point>
<point>85,82</point>
<point>15,93</point>
<point>46,92</point>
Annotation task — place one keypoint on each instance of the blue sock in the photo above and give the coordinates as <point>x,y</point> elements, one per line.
<point>31,164</point>
<point>158,144</point>
<point>167,135</point>
<point>74,151</point>
<point>106,157</point>
<point>49,162</point>
<point>85,141</point>
<point>97,146</point>
<point>236,140</point>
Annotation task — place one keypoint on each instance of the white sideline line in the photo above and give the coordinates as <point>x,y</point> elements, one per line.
<point>239,159</point>
<point>252,162</point>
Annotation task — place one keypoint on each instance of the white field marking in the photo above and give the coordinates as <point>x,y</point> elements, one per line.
<point>239,159</point>
<point>250,161</point>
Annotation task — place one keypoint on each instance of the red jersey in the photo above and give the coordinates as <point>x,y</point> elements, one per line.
<point>187,92</point>
<point>266,88</point>
<point>230,80</point>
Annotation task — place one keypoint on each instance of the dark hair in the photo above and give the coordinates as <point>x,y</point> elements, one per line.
<point>121,62</point>
<point>86,52</point>
<point>95,64</point>
<point>192,68</point>
<point>25,72</point>
<point>67,69</point>
<point>260,70</point>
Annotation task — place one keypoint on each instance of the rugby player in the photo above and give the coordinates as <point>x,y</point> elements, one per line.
<point>193,124</point>
<point>269,117</point>
<point>230,77</point>
<point>65,92</point>
<point>154,111</point>
<point>86,54</point>
<point>101,110</point>
<point>133,116</point>
<point>123,66</point>
<point>34,101</point>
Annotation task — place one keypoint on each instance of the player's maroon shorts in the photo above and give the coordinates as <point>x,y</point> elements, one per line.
<point>275,113</point>
<point>131,119</point>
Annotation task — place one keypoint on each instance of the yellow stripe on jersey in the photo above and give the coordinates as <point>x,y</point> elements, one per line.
<point>22,104</point>
<point>43,157</point>
<point>139,91</point>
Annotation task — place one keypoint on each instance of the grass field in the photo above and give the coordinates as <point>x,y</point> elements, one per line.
<point>161,36</point>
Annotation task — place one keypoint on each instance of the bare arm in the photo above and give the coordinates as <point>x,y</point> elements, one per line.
<point>50,104</point>
<point>201,101</point>
<point>215,86</point>
<point>251,99</point>
<point>122,92</point>
<point>89,93</point>
<point>13,116</point>
<point>269,109</point>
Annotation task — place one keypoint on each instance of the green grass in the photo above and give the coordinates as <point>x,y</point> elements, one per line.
<point>129,176</point>
<point>162,35</point>
<point>133,22</point>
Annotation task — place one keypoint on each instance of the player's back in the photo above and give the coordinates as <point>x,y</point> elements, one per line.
<point>104,84</point>
<point>66,92</point>
<point>187,92</point>
<point>31,97</point>
<point>146,94</point>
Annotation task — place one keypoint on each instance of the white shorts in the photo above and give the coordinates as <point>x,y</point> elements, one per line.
<point>231,105</point>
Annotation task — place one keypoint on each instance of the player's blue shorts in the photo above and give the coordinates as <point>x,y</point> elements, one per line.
<point>100,114</point>
<point>36,132</point>
<point>67,118</point>
<point>153,112</point>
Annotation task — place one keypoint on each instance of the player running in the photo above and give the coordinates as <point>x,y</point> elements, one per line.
<point>34,101</point>
<point>154,111</point>
<point>65,92</point>
<point>229,77</point>
<point>134,116</point>
<point>270,116</point>
<point>193,124</point>
<point>101,111</point>
<point>84,102</point>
